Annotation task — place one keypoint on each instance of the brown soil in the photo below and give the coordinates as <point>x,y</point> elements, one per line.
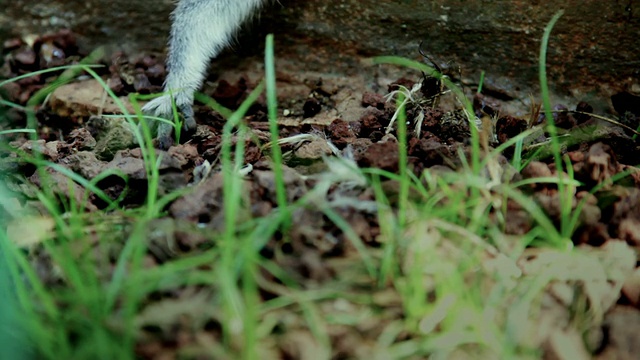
<point>347,108</point>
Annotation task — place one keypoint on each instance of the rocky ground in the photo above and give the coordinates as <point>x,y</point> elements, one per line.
<point>323,114</point>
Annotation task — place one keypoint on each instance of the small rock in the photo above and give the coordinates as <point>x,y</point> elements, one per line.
<point>312,151</point>
<point>84,163</point>
<point>382,155</point>
<point>61,185</point>
<point>84,99</point>
<point>374,100</point>
<point>81,139</point>
<point>562,118</point>
<point>371,121</point>
<point>508,127</point>
<point>118,136</point>
<point>50,150</point>
<point>585,108</point>
<point>311,107</point>
<point>340,133</point>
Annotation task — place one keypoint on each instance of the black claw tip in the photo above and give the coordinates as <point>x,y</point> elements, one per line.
<point>165,142</point>
<point>189,122</point>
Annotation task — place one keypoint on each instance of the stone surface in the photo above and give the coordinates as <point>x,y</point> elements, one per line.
<point>594,45</point>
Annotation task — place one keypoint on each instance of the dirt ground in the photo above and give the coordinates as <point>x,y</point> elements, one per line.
<point>347,105</point>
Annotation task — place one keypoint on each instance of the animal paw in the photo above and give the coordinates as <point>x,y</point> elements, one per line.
<point>162,107</point>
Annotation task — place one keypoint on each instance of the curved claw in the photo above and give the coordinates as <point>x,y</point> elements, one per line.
<point>165,136</point>
<point>188,121</point>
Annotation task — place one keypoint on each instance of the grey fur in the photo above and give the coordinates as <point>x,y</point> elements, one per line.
<point>200,30</point>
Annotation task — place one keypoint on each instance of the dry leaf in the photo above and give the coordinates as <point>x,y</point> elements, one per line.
<point>29,231</point>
